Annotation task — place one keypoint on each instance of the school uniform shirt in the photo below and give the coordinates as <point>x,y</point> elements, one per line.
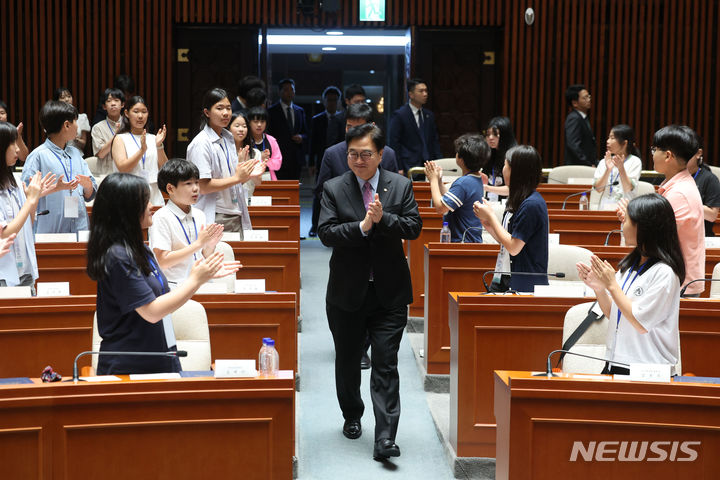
<point>614,193</point>
<point>172,229</point>
<point>147,166</point>
<point>531,225</point>
<point>65,163</point>
<point>119,293</point>
<point>709,187</point>
<point>655,295</point>
<point>101,133</point>
<point>216,157</point>
<point>461,219</point>
<point>684,197</point>
<point>21,259</point>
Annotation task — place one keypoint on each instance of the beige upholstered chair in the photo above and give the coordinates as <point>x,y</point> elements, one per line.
<point>643,188</point>
<point>715,170</point>
<point>562,258</point>
<point>715,286</point>
<point>563,173</point>
<point>92,164</point>
<point>592,342</point>
<point>191,333</point>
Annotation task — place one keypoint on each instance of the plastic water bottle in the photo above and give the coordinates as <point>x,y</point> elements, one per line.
<point>445,233</point>
<point>268,359</point>
<point>584,202</point>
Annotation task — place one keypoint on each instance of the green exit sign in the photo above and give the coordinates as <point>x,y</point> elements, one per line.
<point>372,10</point>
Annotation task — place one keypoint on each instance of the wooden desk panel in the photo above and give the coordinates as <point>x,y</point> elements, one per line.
<point>522,330</point>
<point>423,197</point>
<point>432,224</point>
<point>540,419</point>
<point>592,220</point>
<point>450,267</point>
<point>281,221</point>
<point>238,322</point>
<point>555,194</point>
<point>283,192</point>
<point>149,429</point>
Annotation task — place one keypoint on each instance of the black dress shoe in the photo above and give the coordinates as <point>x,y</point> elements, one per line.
<point>352,429</point>
<point>365,361</point>
<point>385,448</point>
<point>312,233</point>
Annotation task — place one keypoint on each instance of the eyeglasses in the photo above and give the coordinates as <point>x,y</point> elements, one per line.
<point>365,155</point>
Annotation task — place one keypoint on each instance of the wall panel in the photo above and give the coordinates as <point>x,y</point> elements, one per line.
<point>647,62</point>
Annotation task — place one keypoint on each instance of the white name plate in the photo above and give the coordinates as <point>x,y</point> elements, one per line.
<point>250,285</point>
<point>712,242</point>
<point>231,236</point>
<point>556,290</point>
<point>53,289</point>
<point>579,181</point>
<point>256,235</point>
<point>235,368</point>
<point>260,201</point>
<point>55,237</point>
<point>649,372</point>
<point>83,235</point>
<point>212,288</point>
<point>15,292</point>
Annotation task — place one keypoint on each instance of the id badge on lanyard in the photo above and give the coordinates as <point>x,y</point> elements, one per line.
<point>10,214</point>
<point>503,259</point>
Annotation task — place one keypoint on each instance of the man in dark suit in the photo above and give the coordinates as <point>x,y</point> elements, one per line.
<point>325,126</point>
<point>580,145</point>
<point>288,126</point>
<point>366,213</point>
<point>244,86</point>
<point>334,161</point>
<point>413,133</point>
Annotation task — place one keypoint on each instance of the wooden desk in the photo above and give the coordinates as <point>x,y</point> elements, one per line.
<point>186,428</point>
<point>281,221</point>
<point>596,220</point>
<point>239,321</point>
<point>432,224</point>
<point>555,194</point>
<point>423,197</point>
<point>283,192</point>
<point>517,332</point>
<point>540,419</point>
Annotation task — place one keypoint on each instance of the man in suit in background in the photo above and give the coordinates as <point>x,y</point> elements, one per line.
<point>288,126</point>
<point>244,86</point>
<point>353,94</point>
<point>413,133</point>
<point>366,213</point>
<point>580,145</point>
<point>334,161</point>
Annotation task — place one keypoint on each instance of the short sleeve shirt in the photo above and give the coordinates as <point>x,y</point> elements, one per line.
<point>531,225</point>
<point>459,198</point>
<point>101,133</point>
<point>655,296</point>
<point>614,193</point>
<point>119,293</point>
<point>709,188</point>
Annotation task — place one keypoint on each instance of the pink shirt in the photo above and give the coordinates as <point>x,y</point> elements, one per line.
<point>275,161</point>
<point>682,193</point>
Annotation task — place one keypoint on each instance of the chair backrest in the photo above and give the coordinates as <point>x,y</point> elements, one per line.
<point>643,188</point>
<point>449,166</point>
<point>715,170</point>
<point>715,286</point>
<point>562,258</point>
<point>92,164</point>
<point>592,342</point>
<point>229,256</point>
<point>191,333</point>
<point>563,173</point>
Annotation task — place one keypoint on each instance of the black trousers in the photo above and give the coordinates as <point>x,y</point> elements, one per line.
<point>385,329</point>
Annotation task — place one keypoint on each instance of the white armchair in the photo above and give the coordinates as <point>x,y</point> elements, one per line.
<point>592,342</point>
<point>563,173</point>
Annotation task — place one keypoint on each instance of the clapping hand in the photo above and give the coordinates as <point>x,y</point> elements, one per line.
<point>244,170</point>
<point>243,154</point>
<point>433,171</point>
<point>375,210</point>
<point>602,271</point>
<point>6,243</point>
<point>206,268</point>
<point>621,209</point>
<point>228,268</point>
<point>39,186</point>
<point>586,274</point>
<point>484,211</point>
<point>211,235</point>
<point>85,182</point>
<point>160,136</point>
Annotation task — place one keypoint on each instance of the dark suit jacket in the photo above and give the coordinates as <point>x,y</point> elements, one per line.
<point>580,146</point>
<point>334,164</point>
<point>406,140</point>
<point>292,153</point>
<point>319,138</point>
<point>355,256</point>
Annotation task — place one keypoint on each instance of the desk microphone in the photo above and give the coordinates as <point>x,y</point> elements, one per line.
<point>43,212</point>
<point>178,353</point>
<point>529,274</point>
<point>586,192</point>
<point>548,368</point>
<point>607,239</point>
<point>682,292</point>
<point>467,230</point>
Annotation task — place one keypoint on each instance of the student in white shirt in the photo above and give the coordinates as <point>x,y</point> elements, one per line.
<point>239,125</point>
<point>103,132</point>
<point>138,152</point>
<point>178,235</point>
<point>617,175</point>
<point>17,207</point>
<point>222,173</point>
<point>642,300</point>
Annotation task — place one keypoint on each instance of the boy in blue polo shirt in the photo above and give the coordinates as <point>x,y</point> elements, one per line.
<point>456,202</point>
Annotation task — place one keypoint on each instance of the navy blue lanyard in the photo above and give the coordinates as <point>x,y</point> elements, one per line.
<point>187,234</point>
<point>262,145</point>
<point>493,177</point>
<point>227,155</point>
<point>619,314</point>
<point>108,124</point>
<point>156,273</point>
<point>138,145</point>
<point>68,177</point>
<point>696,173</point>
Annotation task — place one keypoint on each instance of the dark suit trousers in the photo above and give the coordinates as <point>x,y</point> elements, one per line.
<point>385,328</point>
